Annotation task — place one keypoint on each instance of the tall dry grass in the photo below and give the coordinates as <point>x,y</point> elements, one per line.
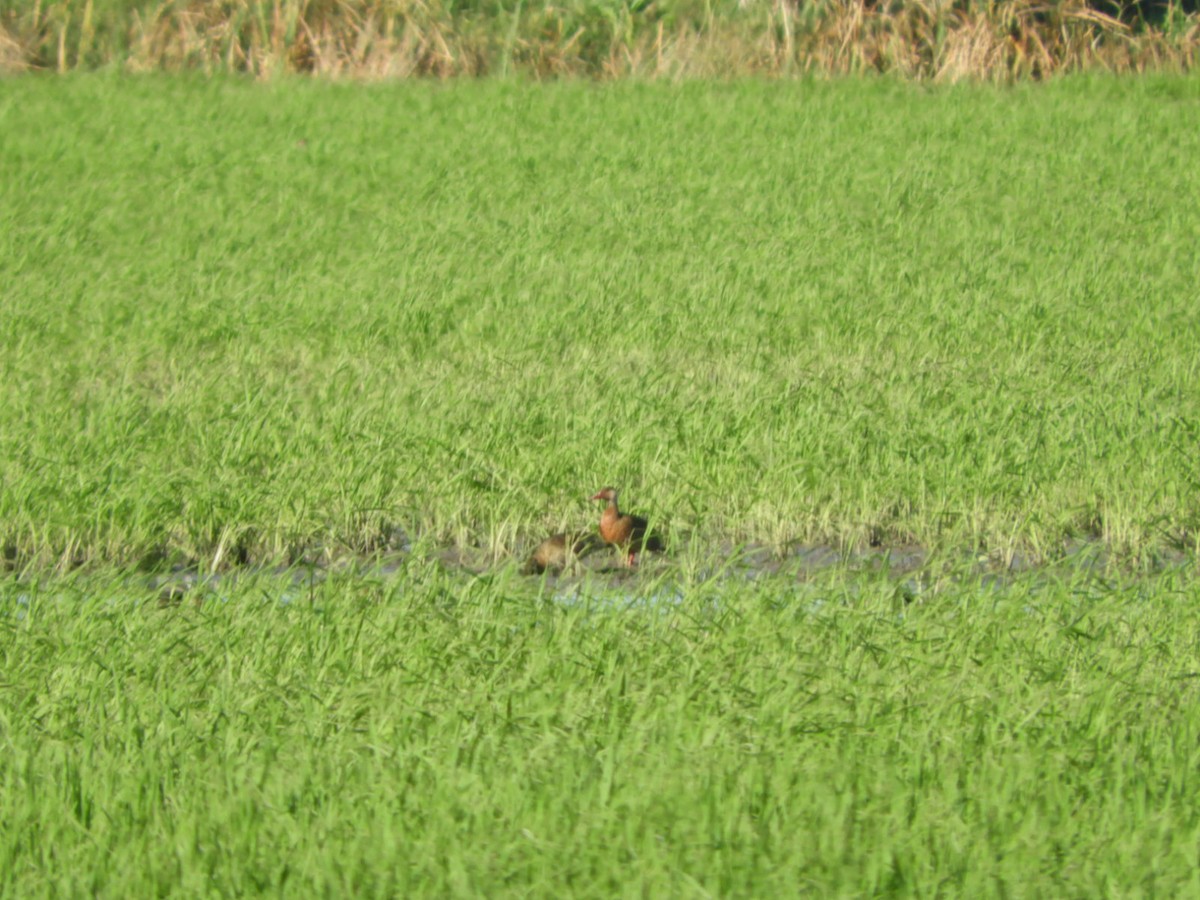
<point>378,39</point>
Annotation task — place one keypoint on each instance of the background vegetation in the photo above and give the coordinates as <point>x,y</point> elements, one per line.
<point>927,39</point>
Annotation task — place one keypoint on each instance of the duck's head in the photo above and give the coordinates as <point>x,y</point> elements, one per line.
<point>608,493</point>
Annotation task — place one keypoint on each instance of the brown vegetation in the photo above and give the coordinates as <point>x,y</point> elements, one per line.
<point>378,39</point>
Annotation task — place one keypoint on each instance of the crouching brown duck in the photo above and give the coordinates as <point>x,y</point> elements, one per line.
<point>624,530</point>
<point>556,551</point>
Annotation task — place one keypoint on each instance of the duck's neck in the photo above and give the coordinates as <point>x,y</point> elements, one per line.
<point>611,513</point>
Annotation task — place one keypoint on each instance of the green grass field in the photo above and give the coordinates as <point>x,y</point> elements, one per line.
<point>434,736</point>
<point>246,321</point>
<point>245,325</point>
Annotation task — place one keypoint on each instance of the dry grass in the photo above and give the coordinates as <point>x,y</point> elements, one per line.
<point>383,39</point>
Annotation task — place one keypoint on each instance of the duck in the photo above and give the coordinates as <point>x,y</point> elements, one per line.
<point>556,551</point>
<point>625,530</point>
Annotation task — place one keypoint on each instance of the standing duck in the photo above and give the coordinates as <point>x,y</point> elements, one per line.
<point>625,530</point>
<point>556,551</point>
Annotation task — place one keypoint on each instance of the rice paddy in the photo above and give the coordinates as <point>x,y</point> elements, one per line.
<point>434,736</point>
<point>297,374</point>
<point>253,323</point>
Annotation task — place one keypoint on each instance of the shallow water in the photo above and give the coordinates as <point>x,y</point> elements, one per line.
<point>813,575</point>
